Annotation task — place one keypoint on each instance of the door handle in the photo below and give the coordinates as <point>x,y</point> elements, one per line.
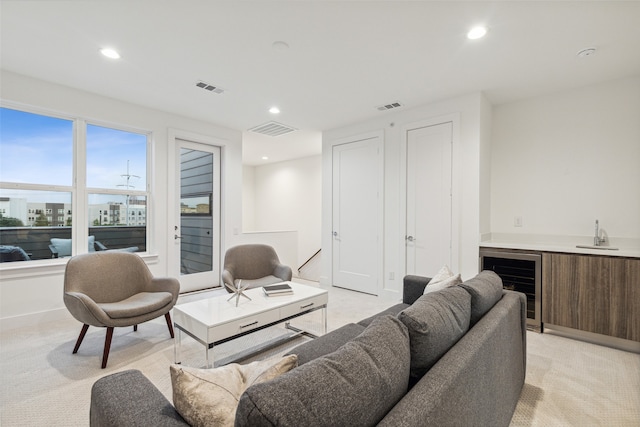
<point>175,237</point>
<point>409,238</point>
<point>335,234</point>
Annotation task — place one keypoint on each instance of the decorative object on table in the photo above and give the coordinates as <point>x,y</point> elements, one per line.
<point>277,289</point>
<point>237,291</point>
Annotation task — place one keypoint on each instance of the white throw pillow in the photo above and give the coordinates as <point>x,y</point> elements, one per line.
<point>209,397</point>
<point>443,279</point>
<point>451,281</point>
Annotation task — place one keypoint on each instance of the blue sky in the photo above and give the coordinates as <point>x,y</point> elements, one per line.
<point>37,149</point>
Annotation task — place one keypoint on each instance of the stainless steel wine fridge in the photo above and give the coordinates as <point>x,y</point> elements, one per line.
<point>520,271</point>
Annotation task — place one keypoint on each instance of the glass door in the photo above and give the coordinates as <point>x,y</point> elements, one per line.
<point>198,232</point>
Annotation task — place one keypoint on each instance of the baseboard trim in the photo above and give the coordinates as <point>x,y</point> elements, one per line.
<point>33,319</point>
<point>605,340</point>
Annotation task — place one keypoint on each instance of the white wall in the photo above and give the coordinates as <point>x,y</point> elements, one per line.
<point>562,161</point>
<point>38,287</point>
<point>248,198</point>
<point>469,136</point>
<point>286,197</point>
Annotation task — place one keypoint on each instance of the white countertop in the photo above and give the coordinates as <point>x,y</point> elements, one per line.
<point>547,243</point>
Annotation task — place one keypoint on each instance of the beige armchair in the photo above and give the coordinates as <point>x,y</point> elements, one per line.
<point>256,265</point>
<point>114,289</point>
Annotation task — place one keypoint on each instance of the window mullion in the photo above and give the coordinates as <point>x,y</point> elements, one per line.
<point>80,227</point>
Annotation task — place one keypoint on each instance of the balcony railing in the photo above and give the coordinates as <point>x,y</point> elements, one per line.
<point>35,241</point>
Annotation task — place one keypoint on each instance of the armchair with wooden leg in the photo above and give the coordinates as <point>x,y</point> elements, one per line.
<point>115,289</point>
<point>254,265</point>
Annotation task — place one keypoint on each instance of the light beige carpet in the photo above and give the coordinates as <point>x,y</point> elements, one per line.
<point>569,383</point>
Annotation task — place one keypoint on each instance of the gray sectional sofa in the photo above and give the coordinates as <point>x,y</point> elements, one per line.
<point>455,357</point>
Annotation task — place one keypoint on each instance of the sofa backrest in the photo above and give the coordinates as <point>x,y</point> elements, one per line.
<point>436,321</point>
<point>485,290</point>
<point>355,385</point>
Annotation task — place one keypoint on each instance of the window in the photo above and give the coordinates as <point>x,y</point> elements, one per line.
<point>39,198</point>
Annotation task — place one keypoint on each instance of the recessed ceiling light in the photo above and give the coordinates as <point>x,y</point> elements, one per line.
<point>280,45</point>
<point>265,158</point>
<point>274,110</point>
<point>587,52</point>
<point>110,53</point>
<point>477,32</point>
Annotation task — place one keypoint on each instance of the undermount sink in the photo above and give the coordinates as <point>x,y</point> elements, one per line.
<point>604,248</point>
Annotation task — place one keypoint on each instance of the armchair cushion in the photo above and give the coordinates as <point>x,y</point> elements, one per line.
<point>262,281</point>
<point>137,305</point>
<point>62,246</point>
<point>13,253</point>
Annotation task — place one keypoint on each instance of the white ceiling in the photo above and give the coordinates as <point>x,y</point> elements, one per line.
<point>344,58</point>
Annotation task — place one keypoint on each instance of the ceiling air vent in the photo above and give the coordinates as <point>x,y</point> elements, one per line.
<point>210,88</point>
<point>272,129</point>
<point>389,106</point>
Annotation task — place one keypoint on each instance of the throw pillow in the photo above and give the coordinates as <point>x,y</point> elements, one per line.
<point>443,279</point>
<point>451,281</point>
<point>355,385</point>
<point>209,397</point>
<point>436,321</point>
<point>485,290</point>
<point>444,273</point>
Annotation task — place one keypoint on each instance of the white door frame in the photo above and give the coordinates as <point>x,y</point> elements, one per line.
<point>379,135</point>
<point>173,198</point>
<point>454,118</point>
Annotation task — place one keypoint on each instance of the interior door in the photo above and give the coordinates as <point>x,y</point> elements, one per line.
<point>357,207</point>
<point>428,200</point>
<point>198,233</point>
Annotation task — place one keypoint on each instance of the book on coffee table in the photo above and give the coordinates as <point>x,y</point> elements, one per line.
<point>277,289</point>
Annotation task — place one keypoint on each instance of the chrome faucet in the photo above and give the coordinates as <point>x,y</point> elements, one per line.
<point>597,240</point>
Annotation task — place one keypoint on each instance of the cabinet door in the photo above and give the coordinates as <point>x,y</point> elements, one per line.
<point>578,293</point>
<point>625,299</point>
<point>592,293</point>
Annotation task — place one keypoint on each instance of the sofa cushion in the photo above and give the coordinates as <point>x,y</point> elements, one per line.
<point>355,385</point>
<point>485,290</point>
<point>436,321</point>
<point>209,397</point>
<point>327,343</point>
<point>393,310</point>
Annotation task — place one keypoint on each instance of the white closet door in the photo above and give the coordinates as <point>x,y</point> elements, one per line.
<point>357,210</point>
<point>428,210</point>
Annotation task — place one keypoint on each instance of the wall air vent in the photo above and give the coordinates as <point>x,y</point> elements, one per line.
<point>208,87</point>
<point>272,129</point>
<point>389,106</point>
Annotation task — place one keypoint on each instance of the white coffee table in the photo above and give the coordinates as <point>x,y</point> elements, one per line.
<point>216,320</point>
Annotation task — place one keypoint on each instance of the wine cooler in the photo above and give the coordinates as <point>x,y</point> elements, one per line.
<point>519,271</point>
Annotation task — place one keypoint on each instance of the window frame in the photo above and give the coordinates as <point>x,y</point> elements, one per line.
<point>78,188</point>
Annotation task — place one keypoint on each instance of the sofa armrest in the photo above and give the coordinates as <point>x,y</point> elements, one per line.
<point>413,288</point>
<point>128,398</point>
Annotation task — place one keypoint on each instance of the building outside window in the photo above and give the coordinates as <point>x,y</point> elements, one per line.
<point>39,198</point>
